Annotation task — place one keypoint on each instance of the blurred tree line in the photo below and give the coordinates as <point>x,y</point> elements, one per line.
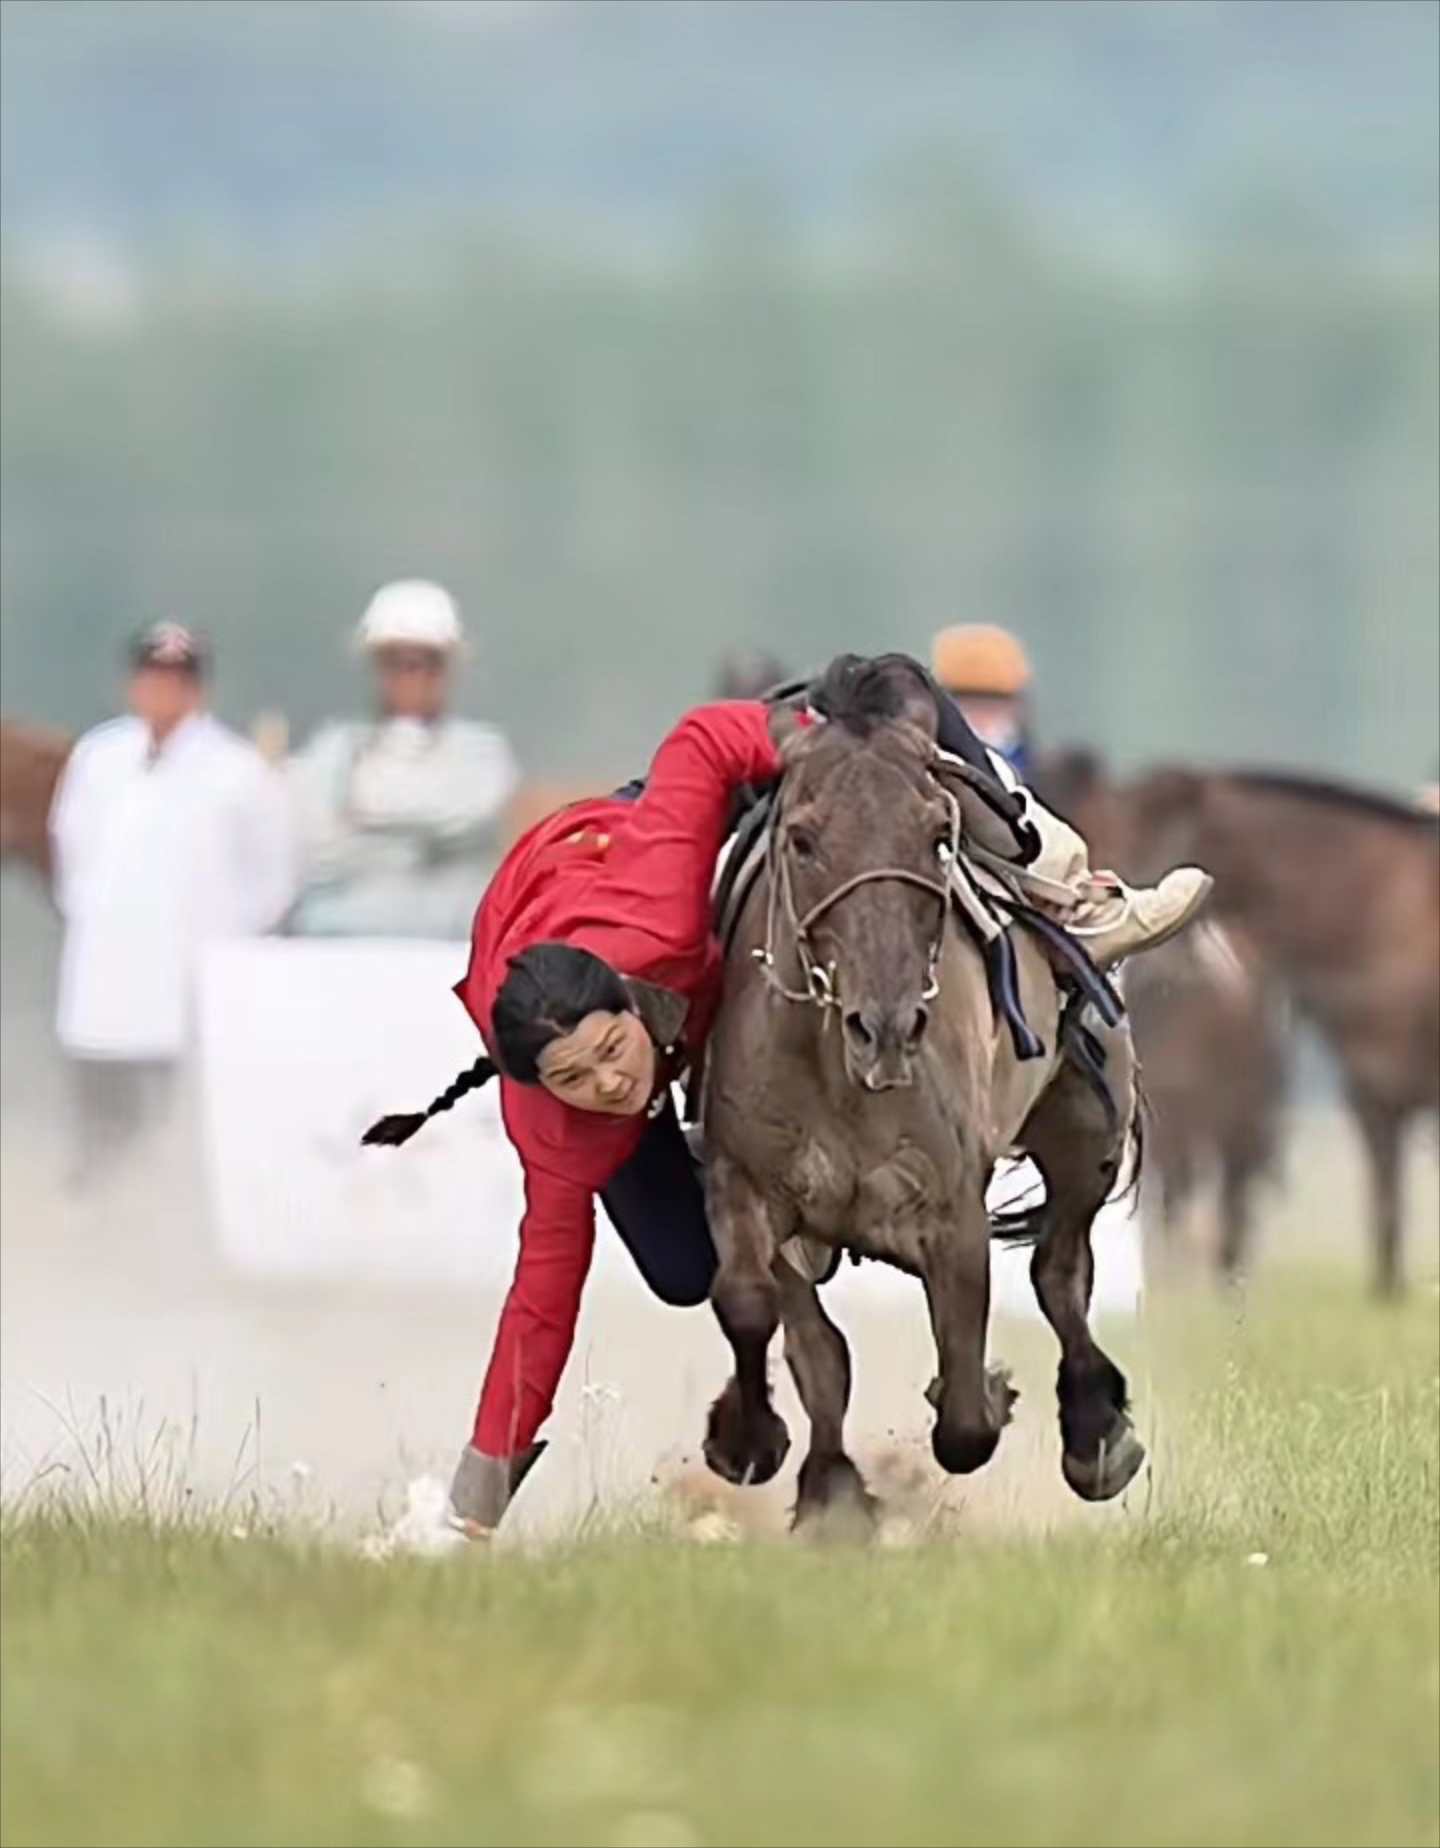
<point>1205,492</point>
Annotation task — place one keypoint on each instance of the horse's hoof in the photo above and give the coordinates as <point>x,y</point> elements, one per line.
<point>722,1463</point>
<point>959,1450</point>
<point>1115,1466</point>
<point>832,1502</point>
<point>745,1445</point>
<point>769,1445</point>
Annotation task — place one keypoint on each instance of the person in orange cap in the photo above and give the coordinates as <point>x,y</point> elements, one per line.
<point>987,672</point>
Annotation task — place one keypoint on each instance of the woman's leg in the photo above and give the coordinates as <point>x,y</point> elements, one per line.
<point>656,1202</point>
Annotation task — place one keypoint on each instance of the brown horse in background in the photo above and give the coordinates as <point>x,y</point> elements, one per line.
<point>1337,891</point>
<point>31,760</point>
<point>1214,1060</point>
<point>1209,1033</point>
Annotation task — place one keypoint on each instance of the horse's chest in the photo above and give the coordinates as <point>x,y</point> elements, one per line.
<point>869,1199</point>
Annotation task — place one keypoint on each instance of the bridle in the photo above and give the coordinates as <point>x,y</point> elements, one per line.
<point>821,985</point>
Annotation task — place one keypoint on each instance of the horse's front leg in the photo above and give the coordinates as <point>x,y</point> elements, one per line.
<point>831,1494</point>
<point>746,1440</point>
<point>972,1403</point>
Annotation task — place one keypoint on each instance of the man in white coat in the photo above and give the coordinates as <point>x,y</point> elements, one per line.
<point>401,814</point>
<point>169,831</point>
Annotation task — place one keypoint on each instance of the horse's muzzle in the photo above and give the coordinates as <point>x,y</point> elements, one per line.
<point>881,1044</point>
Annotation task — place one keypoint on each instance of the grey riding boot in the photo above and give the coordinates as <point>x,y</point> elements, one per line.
<point>484,1487</point>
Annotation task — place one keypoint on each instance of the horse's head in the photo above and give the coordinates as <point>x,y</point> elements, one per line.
<point>856,875</point>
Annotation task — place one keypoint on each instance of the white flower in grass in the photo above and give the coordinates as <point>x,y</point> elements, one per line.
<point>1257,1559</point>
<point>398,1787</point>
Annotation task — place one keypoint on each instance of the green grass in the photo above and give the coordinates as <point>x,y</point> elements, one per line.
<point>1133,1680</point>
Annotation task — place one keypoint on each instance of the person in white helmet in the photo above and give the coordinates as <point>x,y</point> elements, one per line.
<point>400,814</point>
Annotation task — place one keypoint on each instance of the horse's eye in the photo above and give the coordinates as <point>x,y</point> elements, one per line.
<point>802,845</point>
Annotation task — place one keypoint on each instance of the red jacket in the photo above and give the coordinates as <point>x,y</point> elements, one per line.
<point>631,882</point>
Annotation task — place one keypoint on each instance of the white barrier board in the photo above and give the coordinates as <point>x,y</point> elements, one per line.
<point>303,1044</point>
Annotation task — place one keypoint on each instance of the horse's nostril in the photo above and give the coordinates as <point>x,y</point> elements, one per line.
<point>917,1028</point>
<point>860,1032</point>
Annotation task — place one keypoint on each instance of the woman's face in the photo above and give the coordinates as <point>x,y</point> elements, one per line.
<point>606,1064</point>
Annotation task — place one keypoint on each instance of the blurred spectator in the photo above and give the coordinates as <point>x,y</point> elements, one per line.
<point>168,831</point>
<point>401,814</point>
<point>748,673</point>
<point>988,673</point>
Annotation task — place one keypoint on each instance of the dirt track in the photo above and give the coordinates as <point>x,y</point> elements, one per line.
<point>338,1398</point>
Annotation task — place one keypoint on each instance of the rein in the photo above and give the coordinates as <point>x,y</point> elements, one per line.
<point>821,986</point>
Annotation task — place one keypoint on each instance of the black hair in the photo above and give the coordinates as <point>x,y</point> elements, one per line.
<point>548,990</point>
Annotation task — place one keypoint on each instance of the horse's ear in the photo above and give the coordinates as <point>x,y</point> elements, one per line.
<point>918,709</point>
<point>898,686</point>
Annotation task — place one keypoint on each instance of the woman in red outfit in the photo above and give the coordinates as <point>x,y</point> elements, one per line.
<point>593,979</point>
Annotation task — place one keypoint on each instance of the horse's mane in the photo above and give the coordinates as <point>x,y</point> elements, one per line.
<point>861,695</point>
<point>1324,792</point>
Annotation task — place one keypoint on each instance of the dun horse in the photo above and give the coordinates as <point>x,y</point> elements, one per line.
<point>859,1091</point>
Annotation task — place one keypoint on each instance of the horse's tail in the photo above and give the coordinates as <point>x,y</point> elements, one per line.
<point>1140,1116</point>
